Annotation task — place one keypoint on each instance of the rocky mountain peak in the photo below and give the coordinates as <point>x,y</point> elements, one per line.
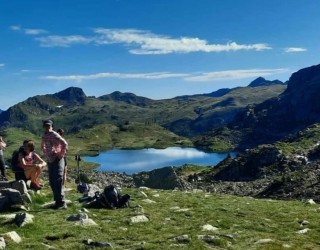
<point>72,94</point>
<point>260,81</point>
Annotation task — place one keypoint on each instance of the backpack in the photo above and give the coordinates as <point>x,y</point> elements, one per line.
<point>112,198</point>
<point>83,188</point>
<point>15,164</point>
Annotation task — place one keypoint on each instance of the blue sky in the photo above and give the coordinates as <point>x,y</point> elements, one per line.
<point>158,49</point>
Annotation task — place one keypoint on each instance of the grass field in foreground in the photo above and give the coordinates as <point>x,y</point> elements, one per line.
<point>241,222</point>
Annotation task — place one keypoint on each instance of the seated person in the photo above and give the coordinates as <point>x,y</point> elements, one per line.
<point>19,172</point>
<point>32,164</point>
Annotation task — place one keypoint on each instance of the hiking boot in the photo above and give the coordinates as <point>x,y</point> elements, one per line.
<point>59,206</point>
<point>35,186</point>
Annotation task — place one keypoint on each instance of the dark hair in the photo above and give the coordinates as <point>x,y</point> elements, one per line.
<point>30,145</point>
<point>26,141</point>
<point>60,131</point>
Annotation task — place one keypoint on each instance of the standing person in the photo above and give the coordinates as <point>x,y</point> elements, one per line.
<point>60,131</point>
<point>54,148</point>
<point>2,163</point>
<point>32,164</point>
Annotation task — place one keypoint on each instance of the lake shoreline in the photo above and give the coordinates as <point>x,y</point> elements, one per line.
<point>140,160</point>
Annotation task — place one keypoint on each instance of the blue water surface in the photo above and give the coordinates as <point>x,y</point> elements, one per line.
<point>133,161</point>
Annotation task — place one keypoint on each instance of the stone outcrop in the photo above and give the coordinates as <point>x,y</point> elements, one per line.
<point>162,178</point>
<point>13,193</point>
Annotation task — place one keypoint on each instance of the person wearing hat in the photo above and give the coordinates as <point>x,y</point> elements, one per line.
<point>54,148</point>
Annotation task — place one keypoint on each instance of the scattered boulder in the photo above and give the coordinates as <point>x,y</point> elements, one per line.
<point>303,231</point>
<point>139,219</point>
<point>2,243</point>
<point>82,219</point>
<point>208,238</point>
<point>311,202</point>
<point>78,217</point>
<point>139,209</point>
<point>92,243</point>
<point>264,241</point>
<point>12,236</point>
<point>23,219</point>
<point>304,223</point>
<point>148,201</point>
<point>86,222</point>
<point>182,238</point>
<point>143,194</point>
<point>209,228</point>
<point>48,246</point>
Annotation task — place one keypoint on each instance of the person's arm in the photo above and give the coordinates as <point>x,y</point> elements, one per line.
<point>64,145</point>
<point>39,161</point>
<point>23,163</point>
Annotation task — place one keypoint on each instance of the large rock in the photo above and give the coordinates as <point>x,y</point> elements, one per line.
<point>20,186</point>
<point>12,236</point>
<point>13,195</point>
<point>139,219</point>
<point>163,178</point>
<point>23,219</point>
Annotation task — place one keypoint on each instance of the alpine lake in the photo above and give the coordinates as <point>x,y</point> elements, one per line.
<point>133,161</point>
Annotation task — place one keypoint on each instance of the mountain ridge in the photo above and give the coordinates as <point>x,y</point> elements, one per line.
<point>73,110</point>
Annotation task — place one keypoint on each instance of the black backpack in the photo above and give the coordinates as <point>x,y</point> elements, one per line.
<point>111,199</point>
<point>15,160</point>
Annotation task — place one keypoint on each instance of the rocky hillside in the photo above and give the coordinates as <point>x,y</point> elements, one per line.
<point>295,109</point>
<point>185,115</point>
<point>288,169</point>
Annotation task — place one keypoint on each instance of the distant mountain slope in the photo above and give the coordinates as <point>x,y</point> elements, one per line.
<point>185,115</point>
<point>295,109</point>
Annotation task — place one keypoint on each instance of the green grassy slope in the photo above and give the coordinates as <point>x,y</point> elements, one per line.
<point>72,110</point>
<point>241,222</point>
<point>91,141</point>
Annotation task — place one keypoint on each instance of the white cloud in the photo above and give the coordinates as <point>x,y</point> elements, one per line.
<point>294,49</point>
<point>2,65</point>
<point>147,43</point>
<point>234,74</point>
<point>157,75</point>
<point>35,31</point>
<point>141,42</point>
<point>32,32</point>
<point>195,77</point>
<point>62,41</point>
<point>15,27</point>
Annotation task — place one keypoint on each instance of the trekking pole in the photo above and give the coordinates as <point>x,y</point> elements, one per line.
<point>78,159</point>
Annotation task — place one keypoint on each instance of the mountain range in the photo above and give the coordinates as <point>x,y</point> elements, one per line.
<point>187,116</point>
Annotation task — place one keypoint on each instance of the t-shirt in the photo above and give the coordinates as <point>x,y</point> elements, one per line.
<point>53,146</point>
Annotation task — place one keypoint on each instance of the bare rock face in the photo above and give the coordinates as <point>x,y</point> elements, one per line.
<point>13,195</point>
<point>162,178</point>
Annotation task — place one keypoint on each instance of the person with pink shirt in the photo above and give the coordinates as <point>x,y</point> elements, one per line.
<point>54,148</point>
